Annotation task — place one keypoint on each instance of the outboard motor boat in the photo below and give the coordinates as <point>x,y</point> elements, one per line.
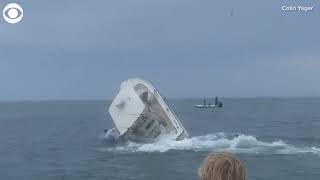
<point>217,104</point>
<point>141,114</point>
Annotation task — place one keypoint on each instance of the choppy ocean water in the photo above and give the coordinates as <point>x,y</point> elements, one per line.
<point>277,138</point>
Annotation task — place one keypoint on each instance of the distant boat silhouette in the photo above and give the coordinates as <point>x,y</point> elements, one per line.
<point>217,104</point>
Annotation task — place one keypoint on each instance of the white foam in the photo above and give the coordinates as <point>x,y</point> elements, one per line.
<point>217,142</point>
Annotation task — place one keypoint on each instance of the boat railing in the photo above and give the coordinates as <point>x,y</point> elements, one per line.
<point>176,119</point>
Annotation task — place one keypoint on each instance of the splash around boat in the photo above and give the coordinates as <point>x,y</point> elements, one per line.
<point>215,142</point>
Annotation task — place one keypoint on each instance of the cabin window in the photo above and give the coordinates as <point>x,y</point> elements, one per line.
<point>149,124</point>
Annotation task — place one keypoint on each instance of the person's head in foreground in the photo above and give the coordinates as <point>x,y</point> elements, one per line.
<point>223,166</point>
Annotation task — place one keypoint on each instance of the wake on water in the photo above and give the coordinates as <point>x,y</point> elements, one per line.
<point>217,142</point>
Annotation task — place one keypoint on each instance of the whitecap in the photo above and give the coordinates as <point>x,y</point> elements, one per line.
<point>217,142</point>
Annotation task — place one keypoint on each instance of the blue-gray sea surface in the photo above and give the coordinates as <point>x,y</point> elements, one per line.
<point>276,138</point>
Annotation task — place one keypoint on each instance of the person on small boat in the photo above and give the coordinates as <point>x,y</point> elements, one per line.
<point>216,101</point>
<point>223,166</point>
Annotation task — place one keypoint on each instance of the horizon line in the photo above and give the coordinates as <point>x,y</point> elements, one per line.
<point>173,98</point>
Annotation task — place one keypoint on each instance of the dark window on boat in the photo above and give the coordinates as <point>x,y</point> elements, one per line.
<point>149,124</point>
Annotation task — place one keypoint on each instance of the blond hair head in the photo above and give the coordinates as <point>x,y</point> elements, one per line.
<point>224,166</point>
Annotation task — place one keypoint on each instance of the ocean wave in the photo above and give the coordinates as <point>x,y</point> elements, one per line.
<point>217,142</point>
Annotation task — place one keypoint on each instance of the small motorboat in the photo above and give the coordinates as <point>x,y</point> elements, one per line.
<point>217,104</point>
<point>141,114</point>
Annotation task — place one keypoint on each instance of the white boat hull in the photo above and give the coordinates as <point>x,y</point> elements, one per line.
<point>141,114</point>
<point>206,106</point>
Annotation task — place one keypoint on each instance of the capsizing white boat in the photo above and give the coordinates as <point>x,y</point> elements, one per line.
<point>141,114</point>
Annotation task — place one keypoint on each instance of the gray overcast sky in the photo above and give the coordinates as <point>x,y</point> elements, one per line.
<point>73,49</point>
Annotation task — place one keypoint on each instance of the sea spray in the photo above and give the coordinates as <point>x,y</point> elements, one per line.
<point>217,142</point>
